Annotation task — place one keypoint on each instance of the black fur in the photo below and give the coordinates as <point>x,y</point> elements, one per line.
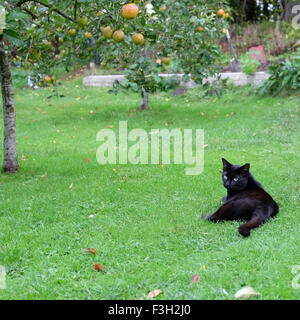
<point>246,199</point>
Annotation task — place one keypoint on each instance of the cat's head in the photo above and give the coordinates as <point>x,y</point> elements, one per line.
<point>235,177</point>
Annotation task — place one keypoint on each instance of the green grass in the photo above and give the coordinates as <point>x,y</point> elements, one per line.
<point>146,227</point>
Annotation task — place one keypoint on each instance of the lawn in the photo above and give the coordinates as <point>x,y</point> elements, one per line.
<point>145,220</point>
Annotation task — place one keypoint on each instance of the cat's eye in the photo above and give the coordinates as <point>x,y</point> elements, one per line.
<point>235,179</point>
<point>225,177</point>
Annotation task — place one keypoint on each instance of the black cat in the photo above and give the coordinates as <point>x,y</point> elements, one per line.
<point>246,199</point>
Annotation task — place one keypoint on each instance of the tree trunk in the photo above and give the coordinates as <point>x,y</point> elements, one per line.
<point>10,160</point>
<point>243,15</point>
<point>282,5</point>
<point>145,100</point>
<point>279,18</point>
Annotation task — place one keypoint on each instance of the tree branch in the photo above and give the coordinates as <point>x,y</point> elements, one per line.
<point>282,8</point>
<point>21,2</point>
<point>75,10</point>
<point>30,13</point>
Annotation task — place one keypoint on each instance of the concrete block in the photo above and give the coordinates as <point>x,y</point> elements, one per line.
<point>237,78</point>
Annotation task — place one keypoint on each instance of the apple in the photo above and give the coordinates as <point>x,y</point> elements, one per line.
<point>88,35</point>
<point>48,79</point>
<point>220,13</point>
<point>82,21</point>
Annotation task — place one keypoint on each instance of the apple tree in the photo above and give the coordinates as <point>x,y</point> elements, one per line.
<point>180,35</point>
<point>143,37</point>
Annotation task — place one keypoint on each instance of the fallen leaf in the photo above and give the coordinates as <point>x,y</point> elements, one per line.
<point>246,293</point>
<point>154,293</point>
<point>205,146</point>
<point>132,113</point>
<point>98,267</point>
<point>71,186</point>
<point>24,158</point>
<point>91,250</point>
<point>195,278</point>
<point>109,126</point>
<point>204,268</point>
<point>225,292</point>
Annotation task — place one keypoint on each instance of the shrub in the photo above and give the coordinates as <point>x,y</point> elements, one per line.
<point>249,65</point>
<point>284,77</point>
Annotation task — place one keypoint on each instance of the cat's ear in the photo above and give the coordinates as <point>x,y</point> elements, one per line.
<point>226,164</point>
<point>245,168</point>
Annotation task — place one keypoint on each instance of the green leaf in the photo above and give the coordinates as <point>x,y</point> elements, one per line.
<point>12,36</point>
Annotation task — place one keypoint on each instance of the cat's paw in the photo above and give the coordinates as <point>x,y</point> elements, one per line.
<point>208,217</point>
<point>211,218</point>
<point>244,232</point>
